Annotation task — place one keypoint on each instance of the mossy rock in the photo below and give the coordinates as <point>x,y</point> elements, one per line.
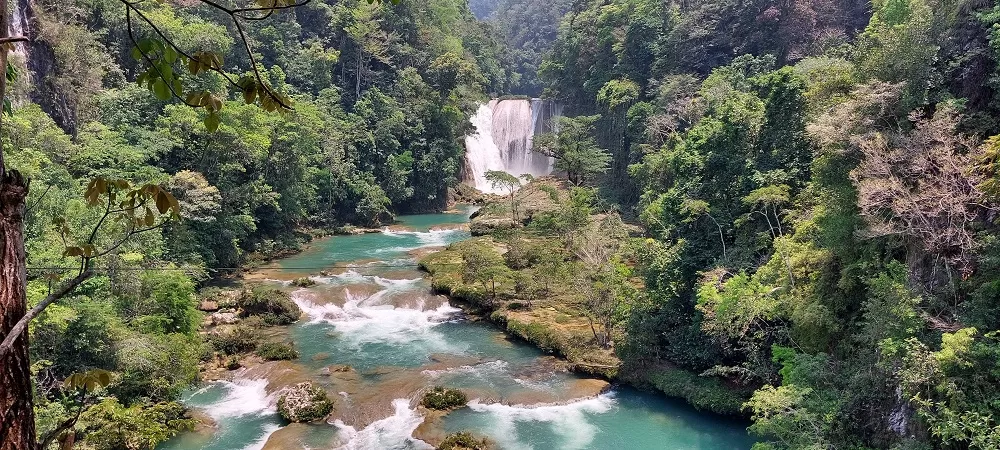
<point>444,399</point>
<point>463,440</point>
<point>304,402</point>
<point>243,337</point>
<point>303,282</point>
<point>274,306</point>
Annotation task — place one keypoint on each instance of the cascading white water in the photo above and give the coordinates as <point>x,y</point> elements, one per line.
<point>19,27</point>
<point>503,137</point>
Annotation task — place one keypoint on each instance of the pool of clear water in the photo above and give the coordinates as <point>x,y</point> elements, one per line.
<point>375,313</point>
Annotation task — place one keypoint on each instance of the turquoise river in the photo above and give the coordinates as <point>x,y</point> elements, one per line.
<point>375,337</point>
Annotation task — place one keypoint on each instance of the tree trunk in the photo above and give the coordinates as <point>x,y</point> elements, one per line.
<point>17,426</point>
<point>17,423</point>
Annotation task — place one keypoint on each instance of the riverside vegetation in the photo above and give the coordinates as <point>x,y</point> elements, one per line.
<point>779,209</point>
<point>375,100</point>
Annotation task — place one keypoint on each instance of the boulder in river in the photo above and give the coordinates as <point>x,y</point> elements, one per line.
<point>304,402</point>
<point>225,318</point>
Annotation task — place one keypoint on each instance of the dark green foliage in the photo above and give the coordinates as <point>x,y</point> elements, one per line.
<point>772,165</point>
<point>277,351</point>
<point>272,305</point>
<point>766,147</point>
<point>707,394</point>
<point>443,399</point>
<point>382,94</point>
<point>528,29</point>
<point>240,338</point>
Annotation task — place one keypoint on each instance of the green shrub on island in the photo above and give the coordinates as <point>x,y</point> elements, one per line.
<point>277,351</point>
<point>303,282</point>
<point>273,305</point>
<point>240,338</point>
<point>463,440</point>
<point>304,402</point>
<point>442,399</point>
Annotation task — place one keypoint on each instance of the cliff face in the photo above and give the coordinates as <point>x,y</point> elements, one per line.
<point>38,65</point>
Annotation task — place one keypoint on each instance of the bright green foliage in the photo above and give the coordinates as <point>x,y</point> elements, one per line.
<point>112,425</point>
<point>486,268</point>
<point>608,300</point>
<point>575,149</point>
<point>156,367</point>
<point>766,148</point>
<point>165,303</point>
<point>177,132</point>
<point>770,163</point>
<point>505,182</point>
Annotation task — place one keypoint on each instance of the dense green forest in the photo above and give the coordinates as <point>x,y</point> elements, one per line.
<point>528,30</point>
<point>817,179</point>
<point>379,96</point>
<point>816,183</point>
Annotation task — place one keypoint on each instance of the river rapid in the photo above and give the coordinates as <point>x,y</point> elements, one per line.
<point>375,337</point>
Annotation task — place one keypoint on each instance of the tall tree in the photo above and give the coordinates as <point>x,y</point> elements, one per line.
<point>574,148</point>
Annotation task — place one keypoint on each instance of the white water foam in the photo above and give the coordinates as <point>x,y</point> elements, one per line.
<point>432,238</point>
<point>243,397</point>
<point>354,277</point>
<point>262,440</point>
<point>504,131</point>
<point>391,433</point>
<point>481,153</point>
<point>364,320</point>
<point>481,370</point>
<point>567,420</point>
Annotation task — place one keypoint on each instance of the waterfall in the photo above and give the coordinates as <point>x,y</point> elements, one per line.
<point>503,136</point>
<point>19,27</point>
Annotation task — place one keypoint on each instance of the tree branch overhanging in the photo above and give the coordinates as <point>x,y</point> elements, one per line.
<point>20,328</point>
<point>236,15</point>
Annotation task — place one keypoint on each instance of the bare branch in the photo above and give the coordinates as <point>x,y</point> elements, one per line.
<point>13,39</point>
<point>234,14</point>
